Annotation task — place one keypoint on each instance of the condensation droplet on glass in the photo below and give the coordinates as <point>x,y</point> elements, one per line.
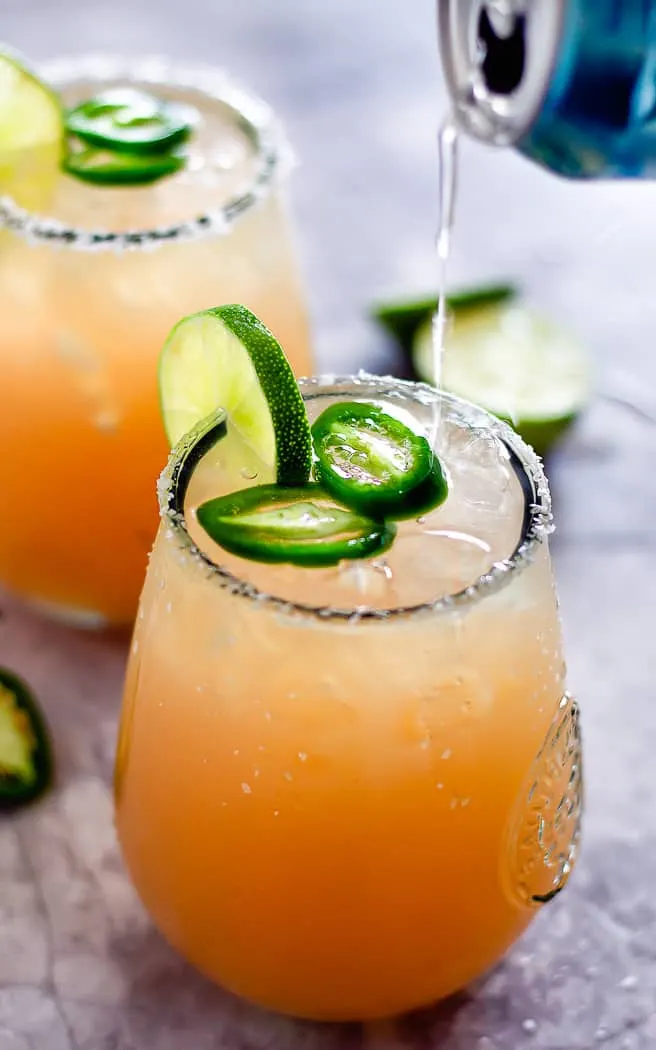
<point>276,812</point>
<point>424,744</point>
<point>288,776</point>
<point>602,1033</point>
<point>107,420</point>
<point>246,789</point>
<point>236,751</point>
<point>169,607</point>
<point>249,475</point>
<point>439,787</point>
<point>464,802</point>
<point>529,1026</point>
<point>302,756</point>
<point>256,772</point>
<point>135,646</point>
<point>260,747</point>
<point>380,565</point>
<point>267,715</point>
<point>446,754</point>
<point>453,803</point>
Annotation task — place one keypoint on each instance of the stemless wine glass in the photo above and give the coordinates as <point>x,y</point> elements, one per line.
<point>87,297</point>
<point>337,806</point>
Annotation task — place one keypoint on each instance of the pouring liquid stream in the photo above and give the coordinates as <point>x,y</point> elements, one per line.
<point>448,165</point>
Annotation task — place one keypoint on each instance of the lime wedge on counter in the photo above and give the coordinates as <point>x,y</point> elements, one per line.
<point>226,358</point>
<point>402,318</point>
<point>515,363</point>
<point>31,133</point>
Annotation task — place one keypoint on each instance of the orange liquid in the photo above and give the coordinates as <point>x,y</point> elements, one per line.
<point>343,820</point>
<point>80,335</point>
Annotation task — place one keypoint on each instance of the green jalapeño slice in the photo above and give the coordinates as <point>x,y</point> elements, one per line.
<point>131,121</point>
<point>25,756</point>
<point>111,168</point>
<point>374,463</point>
<point>300,526</point>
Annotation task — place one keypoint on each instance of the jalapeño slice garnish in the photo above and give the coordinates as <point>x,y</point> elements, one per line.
<point>374,463</point>
<point>25,756</point>
<point>130,120</point>
<point>112,168</point>
<point>301,526</point>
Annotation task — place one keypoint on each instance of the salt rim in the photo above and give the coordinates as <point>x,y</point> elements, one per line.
<point>538,520</point>
<point>272,151</point>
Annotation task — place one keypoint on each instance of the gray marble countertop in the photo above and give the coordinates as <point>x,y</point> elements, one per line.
<point>358,83</point>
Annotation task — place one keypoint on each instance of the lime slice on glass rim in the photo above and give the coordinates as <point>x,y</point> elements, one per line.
<point>32,134</point>
<point>227,358</point>
<point>515,363</point>
<point>224,364</point>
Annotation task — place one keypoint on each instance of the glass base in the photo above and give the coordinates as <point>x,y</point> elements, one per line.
<point>70,616</point>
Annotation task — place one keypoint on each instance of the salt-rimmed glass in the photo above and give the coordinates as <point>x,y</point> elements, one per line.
<point>91,281</point>
<point>341,812</point>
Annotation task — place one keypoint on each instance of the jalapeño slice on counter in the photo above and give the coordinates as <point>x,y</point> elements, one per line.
<point>129,120</point>
<point>374,463</point>
<point>25,757</point>
<point>300,526</point>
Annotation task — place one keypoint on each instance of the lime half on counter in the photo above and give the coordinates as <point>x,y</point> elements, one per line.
<point>515,363</point>
<point>402,318</point>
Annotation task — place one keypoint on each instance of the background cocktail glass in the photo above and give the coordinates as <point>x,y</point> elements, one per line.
<point>87,297</point>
